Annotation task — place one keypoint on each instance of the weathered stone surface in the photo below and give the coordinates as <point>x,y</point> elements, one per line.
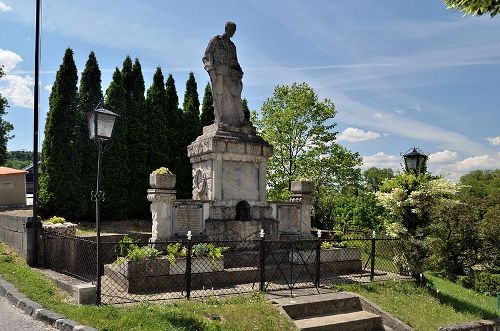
<point>230,229</point>
<point>162,205</point>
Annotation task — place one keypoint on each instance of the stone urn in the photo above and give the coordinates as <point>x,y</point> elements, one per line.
<point>162,181</point>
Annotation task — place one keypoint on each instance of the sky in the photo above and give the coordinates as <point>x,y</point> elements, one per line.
<point>400,73</point>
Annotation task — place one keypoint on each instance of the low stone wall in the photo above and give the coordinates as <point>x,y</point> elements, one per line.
<point>13,232</point>
<point>482,325</point>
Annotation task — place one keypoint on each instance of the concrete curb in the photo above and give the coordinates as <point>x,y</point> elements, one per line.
<point>36,311</point>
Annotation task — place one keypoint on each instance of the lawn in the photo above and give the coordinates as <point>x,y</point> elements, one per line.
<point>249,312</point>
<point>426,308</point>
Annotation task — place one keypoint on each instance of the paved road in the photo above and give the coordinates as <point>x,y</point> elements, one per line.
<point>13,319</point>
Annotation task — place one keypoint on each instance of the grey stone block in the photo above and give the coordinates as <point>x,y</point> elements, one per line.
<point>47,316</point>
<point>84,294</point>
<point>18,240</point>
<point>66,324</point>
<point>28,306</point>
<point>84,328</point>
<point>14,296</point>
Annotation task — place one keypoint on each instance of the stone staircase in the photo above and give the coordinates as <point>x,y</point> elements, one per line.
<point>333,311</point>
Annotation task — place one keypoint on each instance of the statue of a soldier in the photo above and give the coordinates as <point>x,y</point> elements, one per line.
<point>222,65</point>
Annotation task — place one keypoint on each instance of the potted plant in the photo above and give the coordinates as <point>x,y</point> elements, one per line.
<point>162,178</point>
<point>59,226</point>
<point>141,263</point>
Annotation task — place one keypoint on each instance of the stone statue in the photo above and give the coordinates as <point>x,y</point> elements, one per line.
<point>225,74</point>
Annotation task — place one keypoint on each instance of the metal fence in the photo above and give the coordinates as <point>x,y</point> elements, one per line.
<point>135,271</point>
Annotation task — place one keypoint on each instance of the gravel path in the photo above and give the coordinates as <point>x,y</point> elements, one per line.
<point>13,319</point>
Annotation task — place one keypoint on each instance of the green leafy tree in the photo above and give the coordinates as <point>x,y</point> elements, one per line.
<point>115,173</point>
<point>207,108</point>
<point>475,7</point>
<point>61,181</point>
<point>300,128</point>
<point>89,97</point>
<point>5,127</point>
<point>19,159</point>
<point>374,177</point>
<point>156,105</point>
<point>133,83</point>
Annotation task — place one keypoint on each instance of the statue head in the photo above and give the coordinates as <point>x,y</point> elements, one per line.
<point>230,29</point>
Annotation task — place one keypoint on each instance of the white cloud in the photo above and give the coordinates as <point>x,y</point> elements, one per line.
<point>381,160</point>
<point>4,8</point>
<point>48,88</point>
<point>354,135</point>
<point>477,162</point>
<point>495,141</point>
<point>9,59</point>
<point>445,156</point>
<point>377,115</point>
<point>16,88</point>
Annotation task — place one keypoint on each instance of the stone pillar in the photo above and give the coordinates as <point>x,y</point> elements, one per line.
<point>162,210</point>
<point>303,192</point>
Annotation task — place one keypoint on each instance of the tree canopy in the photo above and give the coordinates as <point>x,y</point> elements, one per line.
<point>475,7</point>
<point>5,127</point>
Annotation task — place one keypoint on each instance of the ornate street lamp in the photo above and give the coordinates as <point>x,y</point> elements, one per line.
<point>415,160</point>
<point>101,122</point>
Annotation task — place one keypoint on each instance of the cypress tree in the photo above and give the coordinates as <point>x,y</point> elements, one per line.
<point>89,97</point>
<point>61,171</point>
<point>115,172</point>
<point>158,130</point>
<point>207,108</point>
<point>246,110</point>
<point>133,83</point>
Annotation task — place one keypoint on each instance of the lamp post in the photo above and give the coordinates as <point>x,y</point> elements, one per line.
<point>101,122</point>
<point>415,160</point>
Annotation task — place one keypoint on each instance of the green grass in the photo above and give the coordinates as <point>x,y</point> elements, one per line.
<point>424,308</point>
<point>249,312</point>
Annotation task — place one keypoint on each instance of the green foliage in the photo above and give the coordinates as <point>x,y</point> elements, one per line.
<point>115,171</point>
<point>162,171</point>
<point>300,128</point>
<point>246,110</point>
<point>158,128</point>
<point>89,97</point>
<point>56,220</point>
<point>61,168</point>
<point>487,283</point>
<point>142,253</point>
<point>125,245</point>
<point>5,127</point>
<point>137,138</point>
<point>374,177</point>
<point>210,250</point>
<point>475,7</point>
<point>19,159</point>
<point>207,108</point>
<point>174,252</point>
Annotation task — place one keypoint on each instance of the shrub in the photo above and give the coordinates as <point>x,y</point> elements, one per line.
<point>487,283</point>
<point>162,171</point>
<point>175,251</point>
<point>143,253</point>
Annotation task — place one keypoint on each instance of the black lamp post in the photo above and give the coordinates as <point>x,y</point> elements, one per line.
<point>101,122</point>
<point>415,160</point>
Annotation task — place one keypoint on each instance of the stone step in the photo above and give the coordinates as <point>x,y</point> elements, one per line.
<point>319,305</point>
<point>354,321</point>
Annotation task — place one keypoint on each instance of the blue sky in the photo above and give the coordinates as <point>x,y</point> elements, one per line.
<point>401,73</point>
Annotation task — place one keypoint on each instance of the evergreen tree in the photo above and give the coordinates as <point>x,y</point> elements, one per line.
<point>115,172</point>
<point>156,107</point>
<point>133,83</point>
<point>60,181</point>
<point>190,127</point>
<point>89,97</point>
<point>5,127</point>
<point>171,101</point>
<point>207,108</point>
<point>246,110</point>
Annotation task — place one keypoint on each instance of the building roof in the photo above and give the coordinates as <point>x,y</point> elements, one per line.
<point>4,171</point>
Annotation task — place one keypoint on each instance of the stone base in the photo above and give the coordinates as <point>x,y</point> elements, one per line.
<point>230,229</point>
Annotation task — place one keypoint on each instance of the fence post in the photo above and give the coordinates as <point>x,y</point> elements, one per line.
<point>262,262</point>
<point>188,266</point>
<point>372,267</point>
<point>318,260</point>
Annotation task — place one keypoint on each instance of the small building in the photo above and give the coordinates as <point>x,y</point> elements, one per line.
<point>29,177</point>
<point>12,186</point>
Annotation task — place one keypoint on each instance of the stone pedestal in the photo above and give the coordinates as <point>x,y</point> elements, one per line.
<point>303,192</point>
<point>162,210</point>
<point>230,166</point>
